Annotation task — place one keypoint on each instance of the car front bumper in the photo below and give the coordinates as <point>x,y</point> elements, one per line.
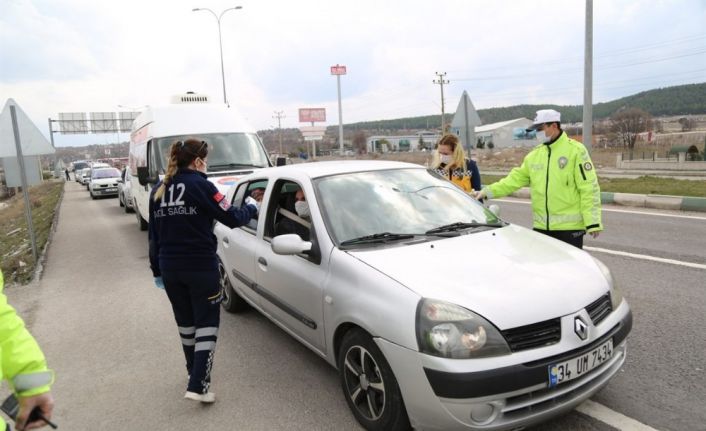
<point>439,394</point>
<point>105,191</point>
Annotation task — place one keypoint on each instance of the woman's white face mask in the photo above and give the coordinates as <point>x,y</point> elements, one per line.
<point>446,159</point>
<point>201,165</point>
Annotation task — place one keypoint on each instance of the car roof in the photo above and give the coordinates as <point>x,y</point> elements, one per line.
<point>322,169</point>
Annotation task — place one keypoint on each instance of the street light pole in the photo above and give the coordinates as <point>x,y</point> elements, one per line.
<point>220,43</point>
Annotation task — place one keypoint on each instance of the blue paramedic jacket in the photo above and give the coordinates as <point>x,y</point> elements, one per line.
<point>181,223</point>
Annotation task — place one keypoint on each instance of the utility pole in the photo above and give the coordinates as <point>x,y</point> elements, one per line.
<point>588,79</point>
<point>441,81</point>
<point>279,115</point>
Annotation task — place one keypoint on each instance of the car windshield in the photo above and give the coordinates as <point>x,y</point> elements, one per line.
<point>391,204</point>
<point>105,173</point>
<point>226,151</point>
<point>80,165</point>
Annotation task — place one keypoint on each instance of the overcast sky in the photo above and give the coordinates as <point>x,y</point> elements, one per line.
<point>81,56</point>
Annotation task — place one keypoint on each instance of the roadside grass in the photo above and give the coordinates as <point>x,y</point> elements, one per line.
<point>647,185</point>
<point>15,246</point>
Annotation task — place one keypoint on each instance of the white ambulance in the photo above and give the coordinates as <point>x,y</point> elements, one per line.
<point>234,149</point>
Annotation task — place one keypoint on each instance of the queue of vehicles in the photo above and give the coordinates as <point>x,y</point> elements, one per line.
<point>436,313</point>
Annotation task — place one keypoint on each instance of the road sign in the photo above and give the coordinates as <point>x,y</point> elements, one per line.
<point>314,138</point>
<point>338,70</point>
<point>313,131</point>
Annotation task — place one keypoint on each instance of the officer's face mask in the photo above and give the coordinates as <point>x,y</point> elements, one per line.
<point>302,209</point>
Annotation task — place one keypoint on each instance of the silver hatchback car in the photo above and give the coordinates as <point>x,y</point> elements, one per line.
<point>436,313</point>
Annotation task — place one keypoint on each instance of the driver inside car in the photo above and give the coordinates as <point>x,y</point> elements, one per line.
<point>298,222</point>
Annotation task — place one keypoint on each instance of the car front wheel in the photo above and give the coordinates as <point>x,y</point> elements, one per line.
<point>120,200</point>
<point>232,302</point>
<point>369,385</point>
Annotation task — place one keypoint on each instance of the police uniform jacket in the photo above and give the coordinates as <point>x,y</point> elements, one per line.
<point>563,185</point>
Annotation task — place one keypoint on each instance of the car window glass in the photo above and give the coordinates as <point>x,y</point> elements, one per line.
<point>253,188</point>
<point>397,201</point>
<point>283,218</point>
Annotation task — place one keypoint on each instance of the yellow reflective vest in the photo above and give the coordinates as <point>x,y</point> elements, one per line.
<point>563,185</point>
<point>22,363</point>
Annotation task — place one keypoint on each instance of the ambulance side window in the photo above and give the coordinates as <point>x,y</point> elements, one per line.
<point>152,159</point>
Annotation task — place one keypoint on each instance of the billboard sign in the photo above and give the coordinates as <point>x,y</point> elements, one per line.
<point>73,123</point>
<point>104,122</point>
<point>125,120</point>
<point>338,70</point>
<point>312,115</point>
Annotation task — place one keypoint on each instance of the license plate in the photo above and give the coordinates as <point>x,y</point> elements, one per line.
<point>579,366</point>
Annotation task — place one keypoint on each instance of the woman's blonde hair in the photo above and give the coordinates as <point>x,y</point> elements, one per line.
<point>457,154</point>
<point>181,154</point>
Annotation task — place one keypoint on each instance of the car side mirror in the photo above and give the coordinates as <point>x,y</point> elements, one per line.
<point>143,176</point>
<point>494,209</point>
<point>290,244</point>
<point>281,161</point>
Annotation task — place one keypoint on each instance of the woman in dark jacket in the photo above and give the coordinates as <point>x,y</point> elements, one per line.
<point>183,207</point>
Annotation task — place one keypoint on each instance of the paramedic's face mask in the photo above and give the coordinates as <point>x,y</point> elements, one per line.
<point>201,165</point>
<point>445,154</point>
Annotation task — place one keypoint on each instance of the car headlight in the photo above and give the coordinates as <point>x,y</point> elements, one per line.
<point>450,331</point>
<point>616,297</point>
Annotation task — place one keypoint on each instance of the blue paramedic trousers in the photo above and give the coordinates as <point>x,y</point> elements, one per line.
<point>196,298</point>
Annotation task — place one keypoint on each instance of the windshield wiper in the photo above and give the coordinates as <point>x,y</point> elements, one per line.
<point>233,165</point>
<point>461,226</point>
<point>378,238</point>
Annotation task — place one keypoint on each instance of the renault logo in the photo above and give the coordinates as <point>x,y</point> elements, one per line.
<point>580,328</point>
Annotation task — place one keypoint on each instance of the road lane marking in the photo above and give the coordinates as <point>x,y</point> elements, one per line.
<point>611,417</point>
<point>646,257</point>
<point>519,201</point>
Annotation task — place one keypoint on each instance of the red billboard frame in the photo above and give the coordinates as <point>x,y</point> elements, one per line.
<point>312,115</point>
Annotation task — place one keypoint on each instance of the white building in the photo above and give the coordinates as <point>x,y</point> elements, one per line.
<point>416,142</point>
<point>505,134</point>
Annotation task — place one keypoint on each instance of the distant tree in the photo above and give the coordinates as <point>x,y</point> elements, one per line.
<point>628,123</point>
<point>658,126</point>
<point>491,145</point>
<point>360,142</point>
<point>480,144</point>
<point>420,144</point>
<point>686,124</point>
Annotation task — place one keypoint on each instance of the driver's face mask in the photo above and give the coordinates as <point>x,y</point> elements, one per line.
<point>302,209</point>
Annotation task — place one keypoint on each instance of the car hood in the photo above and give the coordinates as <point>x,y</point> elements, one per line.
<point>511,275</point>
<point>223,180</point>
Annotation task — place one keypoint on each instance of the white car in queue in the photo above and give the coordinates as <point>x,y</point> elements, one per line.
<point>104,182</point>
<point>436,313</point>
<point>125,190</point>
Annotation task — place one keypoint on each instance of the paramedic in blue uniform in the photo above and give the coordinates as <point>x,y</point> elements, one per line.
<point>183,207</point>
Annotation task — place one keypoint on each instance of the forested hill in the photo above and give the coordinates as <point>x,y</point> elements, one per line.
<point>679,100</point>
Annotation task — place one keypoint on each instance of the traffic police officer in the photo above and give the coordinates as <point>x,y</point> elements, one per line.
<point>183,207</point>
<point>23,365</point>
<point>566,198</point>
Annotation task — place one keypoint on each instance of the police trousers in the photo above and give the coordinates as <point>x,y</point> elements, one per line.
<point>195,297</point>
<point>573,237</point>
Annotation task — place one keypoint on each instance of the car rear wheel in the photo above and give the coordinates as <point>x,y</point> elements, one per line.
<point>369,385</point>
<point>232,302</point>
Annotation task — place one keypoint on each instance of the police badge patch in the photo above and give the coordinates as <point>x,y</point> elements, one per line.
<point>562,162</point>
<point>588,166</point>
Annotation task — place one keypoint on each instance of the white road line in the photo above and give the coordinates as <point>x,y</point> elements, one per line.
<point>526,202</point>
<point>646,257</point>
<point>612,418</point>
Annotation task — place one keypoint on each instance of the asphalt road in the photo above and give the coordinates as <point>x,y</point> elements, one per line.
<point>110,336</point>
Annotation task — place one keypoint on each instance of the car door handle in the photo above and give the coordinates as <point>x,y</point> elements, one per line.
<point>261,260</point>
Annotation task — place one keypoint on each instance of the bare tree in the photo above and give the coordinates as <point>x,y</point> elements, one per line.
<point>360,141</point>
<point>627,124</point>
<point>686,124</point>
